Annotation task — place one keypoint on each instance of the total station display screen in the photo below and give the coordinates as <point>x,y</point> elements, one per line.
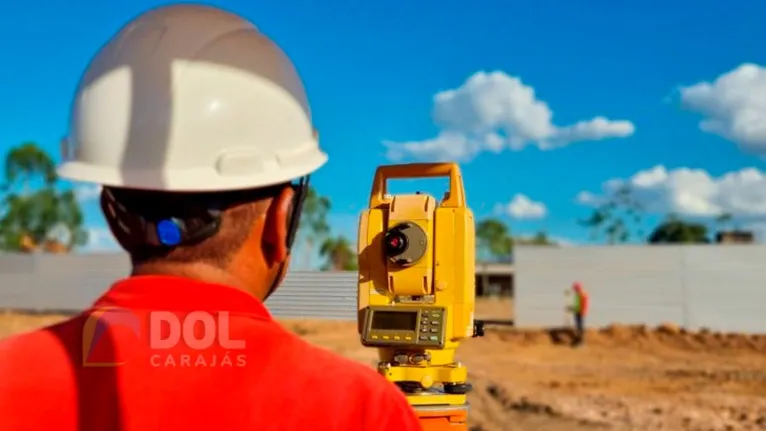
<point>395,320</point>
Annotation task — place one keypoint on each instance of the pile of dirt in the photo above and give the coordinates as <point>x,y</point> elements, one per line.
<point>506,406</point>
<point>640,336</point>
<point>496,406</point>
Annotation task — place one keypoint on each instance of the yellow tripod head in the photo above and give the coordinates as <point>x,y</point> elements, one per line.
<point>417,280</point>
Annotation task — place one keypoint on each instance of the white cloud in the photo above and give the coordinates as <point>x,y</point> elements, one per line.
<point>100,240</point>
<point>448,146</point>
<point>692,192</point>
<point>522,207</point>
<point>87,192</point>
<point>494,111</point>
<point>733,106</point>
<point>588,198</point>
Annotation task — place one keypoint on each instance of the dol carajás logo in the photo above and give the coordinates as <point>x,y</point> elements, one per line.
<point>98,325</point>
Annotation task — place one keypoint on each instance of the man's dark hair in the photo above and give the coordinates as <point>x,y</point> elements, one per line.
<point>238,211</point>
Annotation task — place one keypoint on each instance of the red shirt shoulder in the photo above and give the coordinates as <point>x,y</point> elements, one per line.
<point>275,381</point>
<point>37,372</point>
<point>291,385</point>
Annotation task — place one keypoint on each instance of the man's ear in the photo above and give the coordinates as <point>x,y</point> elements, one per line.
<point>276,226</point>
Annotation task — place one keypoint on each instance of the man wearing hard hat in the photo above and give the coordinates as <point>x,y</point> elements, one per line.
<point>198,128</point>
<point>579,310</point>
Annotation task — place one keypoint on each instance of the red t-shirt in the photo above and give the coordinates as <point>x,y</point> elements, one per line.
<point>118,367</point>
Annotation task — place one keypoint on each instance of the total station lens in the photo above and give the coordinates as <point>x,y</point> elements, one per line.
<point>396,242</point>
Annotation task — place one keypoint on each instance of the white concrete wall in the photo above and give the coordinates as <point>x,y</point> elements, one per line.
<point>721,287</point>
<point>73,282</point>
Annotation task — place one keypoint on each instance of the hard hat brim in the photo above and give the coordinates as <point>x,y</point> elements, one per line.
<point>187,180</point>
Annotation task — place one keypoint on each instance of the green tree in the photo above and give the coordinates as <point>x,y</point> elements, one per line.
<point>32,219</point>
<point>25,164</point>
<point>314,226</point>
<point>724,221</point>
<point>540,238</point>
<point>676,231</point>
<point>493,238</point>
<point>615,219</point>
<point>338,254</point>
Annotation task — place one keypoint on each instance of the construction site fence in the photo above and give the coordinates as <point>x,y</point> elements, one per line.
<point>719,287</point>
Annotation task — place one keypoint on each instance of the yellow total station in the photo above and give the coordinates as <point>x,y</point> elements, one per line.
<point>417,280</point>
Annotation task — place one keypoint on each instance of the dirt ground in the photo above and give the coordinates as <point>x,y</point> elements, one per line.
<point>623,378</point>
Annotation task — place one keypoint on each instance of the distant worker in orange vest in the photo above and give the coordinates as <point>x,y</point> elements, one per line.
<point>579,309</point>
<point>198,128</point>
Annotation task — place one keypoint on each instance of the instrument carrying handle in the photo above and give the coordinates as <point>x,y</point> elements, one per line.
<point>456,198</point>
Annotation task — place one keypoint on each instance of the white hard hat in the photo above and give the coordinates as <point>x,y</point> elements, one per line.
<point>190,98</point>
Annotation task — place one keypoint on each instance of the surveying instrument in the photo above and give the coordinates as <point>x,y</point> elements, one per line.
<point>417,288</point>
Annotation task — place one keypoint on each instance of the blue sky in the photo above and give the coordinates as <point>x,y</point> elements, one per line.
<point>372,74</point>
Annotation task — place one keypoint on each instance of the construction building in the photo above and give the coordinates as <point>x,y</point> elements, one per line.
<point>494,279</point>
<point>735,237</point>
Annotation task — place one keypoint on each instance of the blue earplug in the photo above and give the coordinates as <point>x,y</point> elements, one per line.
<point>168,232</point>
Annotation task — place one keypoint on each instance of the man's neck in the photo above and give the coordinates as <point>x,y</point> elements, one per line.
<point>197,271</point>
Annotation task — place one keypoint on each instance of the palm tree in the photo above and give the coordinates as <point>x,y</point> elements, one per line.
<point>494,239</point>
<point>339,254</point>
